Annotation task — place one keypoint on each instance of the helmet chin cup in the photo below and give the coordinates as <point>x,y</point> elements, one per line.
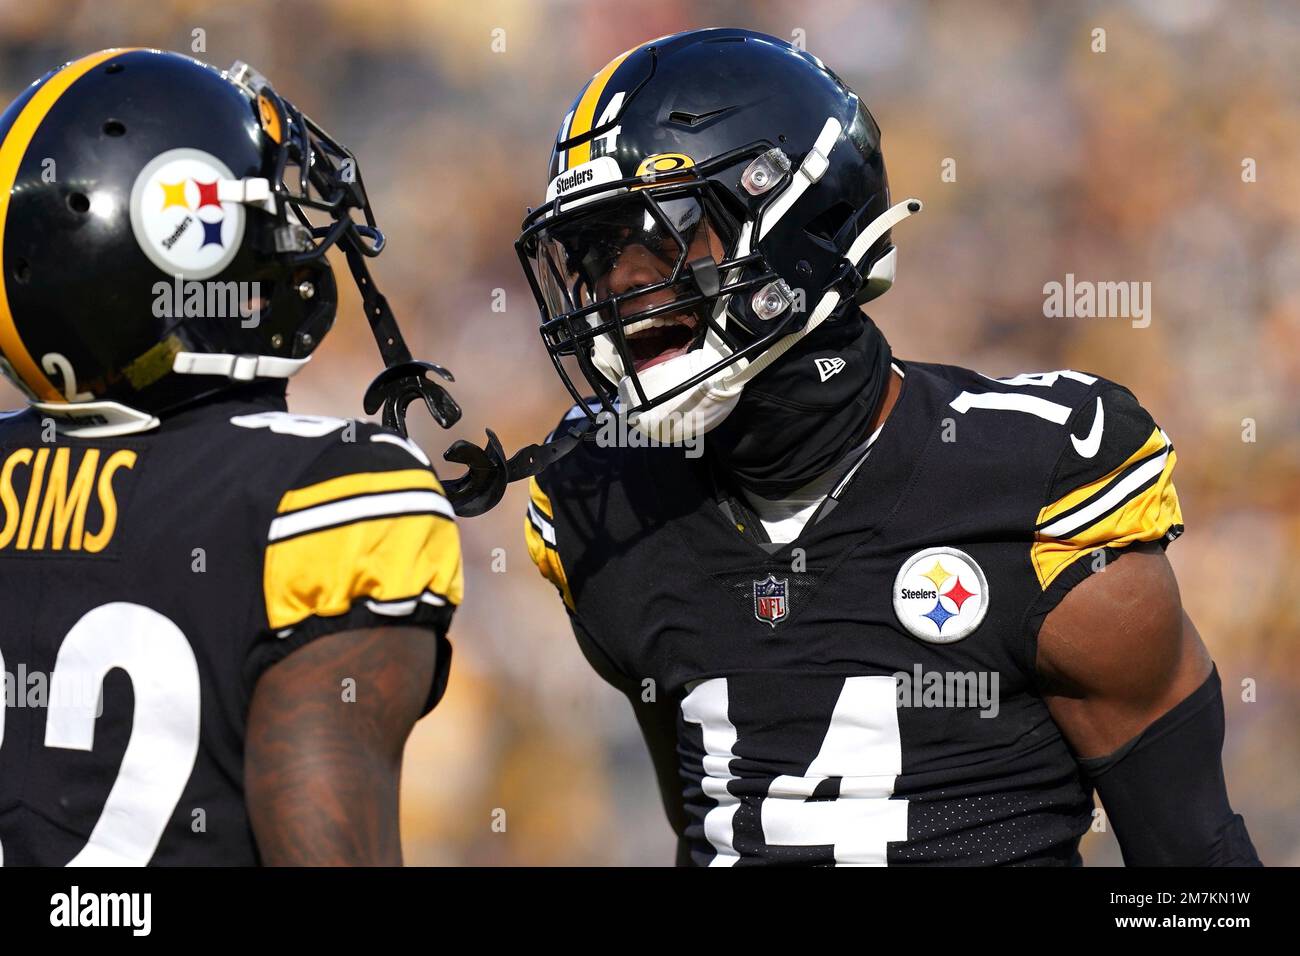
<point>399,385</point>
<point>690,414</point>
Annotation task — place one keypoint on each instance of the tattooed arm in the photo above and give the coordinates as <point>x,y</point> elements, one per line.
<point>321,771</point>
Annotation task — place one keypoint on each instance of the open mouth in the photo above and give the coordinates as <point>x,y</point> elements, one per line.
<point>656,340</point>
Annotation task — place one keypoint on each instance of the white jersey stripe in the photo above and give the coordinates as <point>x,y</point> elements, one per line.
<point>1116,495</point>
<point>360,509</point>
<point>542,523</point>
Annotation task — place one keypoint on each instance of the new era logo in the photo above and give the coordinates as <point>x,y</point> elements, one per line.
<point>826,367</point>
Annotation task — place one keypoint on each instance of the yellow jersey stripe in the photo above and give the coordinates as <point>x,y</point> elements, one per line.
<point>585,113</point>
<point>548,562</point>
<point>12,152</point>
<point>540,499</point>
<point>362,508</point>
<point>1144,473</point>
<point>1148,515</point>
<point>385,560</point>
<point>538,528</point>
<point>361,483</point>
<point>1151,446</point>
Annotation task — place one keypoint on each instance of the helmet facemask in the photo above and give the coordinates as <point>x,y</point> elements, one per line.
<point>781,165</point>
<point>313,173</point>
<point>642,283</point>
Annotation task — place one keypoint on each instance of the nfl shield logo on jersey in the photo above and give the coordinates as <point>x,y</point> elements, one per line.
<point>769,599</point>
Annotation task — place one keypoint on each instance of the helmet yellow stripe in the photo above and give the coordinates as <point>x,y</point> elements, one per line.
<point>12,152</point>
<point>586,111</point>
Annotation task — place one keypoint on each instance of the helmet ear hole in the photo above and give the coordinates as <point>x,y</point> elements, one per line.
<point>22,272</point>
<point>79,203</point>
<point>114,128</point>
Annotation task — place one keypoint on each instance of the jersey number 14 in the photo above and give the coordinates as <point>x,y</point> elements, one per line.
<point>862,748</point>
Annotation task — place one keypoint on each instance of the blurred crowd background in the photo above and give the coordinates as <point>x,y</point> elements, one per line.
<point>1123,165</point>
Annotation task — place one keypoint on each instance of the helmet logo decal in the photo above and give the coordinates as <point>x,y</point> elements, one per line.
<point>940,595</point>
<point>178,218</point>
<point>603,169</point>
<point>661,163</point>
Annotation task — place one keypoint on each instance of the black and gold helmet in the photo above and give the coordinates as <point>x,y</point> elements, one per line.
<point>713,196</point>
<point>160,242</point>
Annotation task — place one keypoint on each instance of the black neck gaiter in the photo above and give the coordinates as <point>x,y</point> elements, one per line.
<point>797,419</point>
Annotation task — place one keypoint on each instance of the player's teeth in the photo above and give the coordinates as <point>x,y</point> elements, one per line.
<point>657,322</point>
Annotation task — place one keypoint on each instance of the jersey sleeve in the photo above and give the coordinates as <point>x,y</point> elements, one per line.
<point>363,537</point>
<point>1112,487</point>
<point>539,521</point>
<point>539,533</point>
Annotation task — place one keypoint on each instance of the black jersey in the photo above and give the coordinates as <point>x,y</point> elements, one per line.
<point>865,694</point>
<point>147,580</point>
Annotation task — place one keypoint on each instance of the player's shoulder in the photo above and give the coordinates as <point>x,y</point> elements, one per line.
<point>595,461</point>
<point>572,485</point>
<point>357,529</point>
<point>305,450</point>
<point>1075,452</point>
<point>334,473</point>
<point>1052,396</point>
<point>1071,424</point>
<point>343,439</point>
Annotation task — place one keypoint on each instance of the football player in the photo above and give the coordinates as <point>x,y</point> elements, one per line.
<point>868,610</point>
<point>221,619</point>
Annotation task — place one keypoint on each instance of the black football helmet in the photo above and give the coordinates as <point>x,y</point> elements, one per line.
<point>712,193</point>
<point>714,197</point>
<point>163,230</point>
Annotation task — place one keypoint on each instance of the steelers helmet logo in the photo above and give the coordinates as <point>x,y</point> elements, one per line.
<point>940,595</point>
<point>178,219</point>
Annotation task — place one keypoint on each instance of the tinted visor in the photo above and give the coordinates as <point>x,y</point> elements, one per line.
<point>581,255</point>
<point>617,246</point>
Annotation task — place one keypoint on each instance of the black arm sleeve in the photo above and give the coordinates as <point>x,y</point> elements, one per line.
<point>1164,790</point>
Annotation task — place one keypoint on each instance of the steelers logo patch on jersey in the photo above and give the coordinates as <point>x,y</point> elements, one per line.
<point>178,218</point>
<point>940,595</point>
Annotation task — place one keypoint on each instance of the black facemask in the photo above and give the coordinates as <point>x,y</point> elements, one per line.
<point>798,418</point>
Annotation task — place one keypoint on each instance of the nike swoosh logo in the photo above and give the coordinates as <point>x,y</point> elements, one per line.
<point>1088,447</point>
